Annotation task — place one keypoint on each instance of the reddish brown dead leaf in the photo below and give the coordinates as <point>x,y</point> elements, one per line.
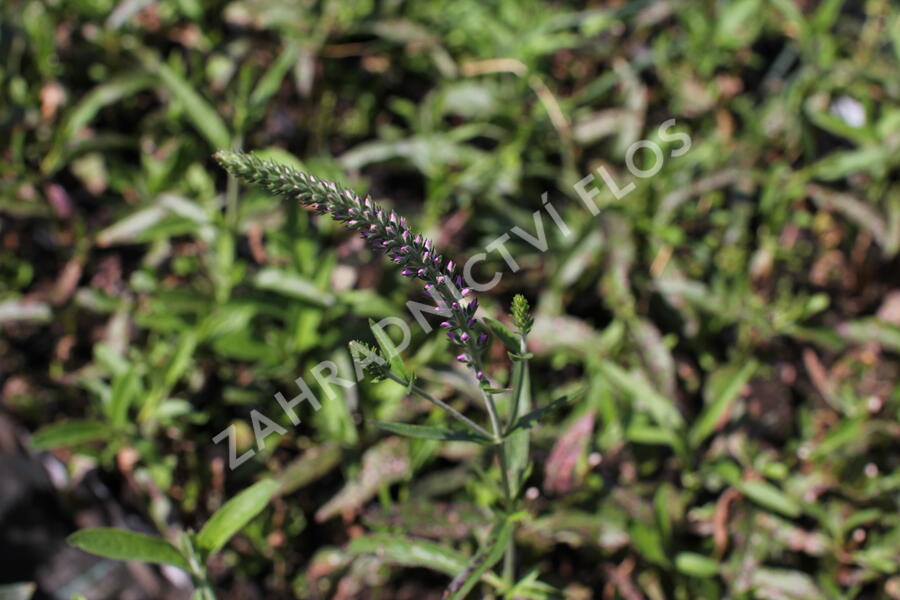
<point>382,464</point>
<point>559,475</point>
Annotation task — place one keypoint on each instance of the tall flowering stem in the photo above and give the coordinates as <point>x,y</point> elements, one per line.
<point>384,230</point>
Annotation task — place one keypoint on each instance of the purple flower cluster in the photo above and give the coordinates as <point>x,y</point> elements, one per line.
<point>384,230</point>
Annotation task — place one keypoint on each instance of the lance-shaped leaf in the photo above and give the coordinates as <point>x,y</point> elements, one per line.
<point>410,552</point>
<point>517,442</point>
<point>70,433</point>
<point>432,433</point>
<point>529,420</point>
<point>483,560</point>
<point>122,544</point>
<point>234,514</point>
<point>723,392</point>
<point>661,408</point>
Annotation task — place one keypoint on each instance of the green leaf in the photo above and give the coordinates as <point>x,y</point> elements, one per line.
<point>204,117</point>
<point>292,285</point>
<point>509,339</point>
<point>517,442</point>
<point>390,351</point>
<point>639,432</point>
<point>132,227</point>
<point>410,552</point>
<point>531,587</point>
<point>724,395</point>
<point>769,496</point>
<point>696,565</point>
<point>662,409</point>
<point>69,433</point>
<point>649,542</point>
<point>234,514</point>
<point>483,560</point>
<point>314,463</point>
<point>529,420</point>
<point>125,389</point>
<point>269,83</point>
<point>122,544</point>
<point>88,106</point>
<point>850,432</point>
<point>181,360</point>
<point>431,433</point>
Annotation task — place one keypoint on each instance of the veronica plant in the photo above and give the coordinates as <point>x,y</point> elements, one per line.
<point>506,434</point>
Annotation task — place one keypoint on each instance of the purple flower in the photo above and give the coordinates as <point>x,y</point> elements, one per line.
<point>383,229</point>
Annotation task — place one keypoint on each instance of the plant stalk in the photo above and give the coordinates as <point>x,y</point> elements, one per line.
<point>440,403</point>
<point>509,556</point>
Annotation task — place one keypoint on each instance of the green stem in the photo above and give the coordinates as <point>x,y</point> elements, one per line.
<point>518,377</point>
<point>509,556</point>
<point>440,403</point>
<point>204,591</point>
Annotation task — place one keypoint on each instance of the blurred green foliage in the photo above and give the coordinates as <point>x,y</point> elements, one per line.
<point>735,318</point>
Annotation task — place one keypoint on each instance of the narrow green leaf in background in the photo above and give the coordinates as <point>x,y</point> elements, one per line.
<point>80,115</point>
<point>125,390</point>
<point>292,285</point>
<point>483,560</point>
<point>122,544</point>
<point>529,420</point>
<point>724,395</point>
<point>662,409</point>
<point>696,565</point>
<point>196,109</point>
<point>69,433</point>
<point>234,514</point>
<point>769,496</point>
<point>410,552</point>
